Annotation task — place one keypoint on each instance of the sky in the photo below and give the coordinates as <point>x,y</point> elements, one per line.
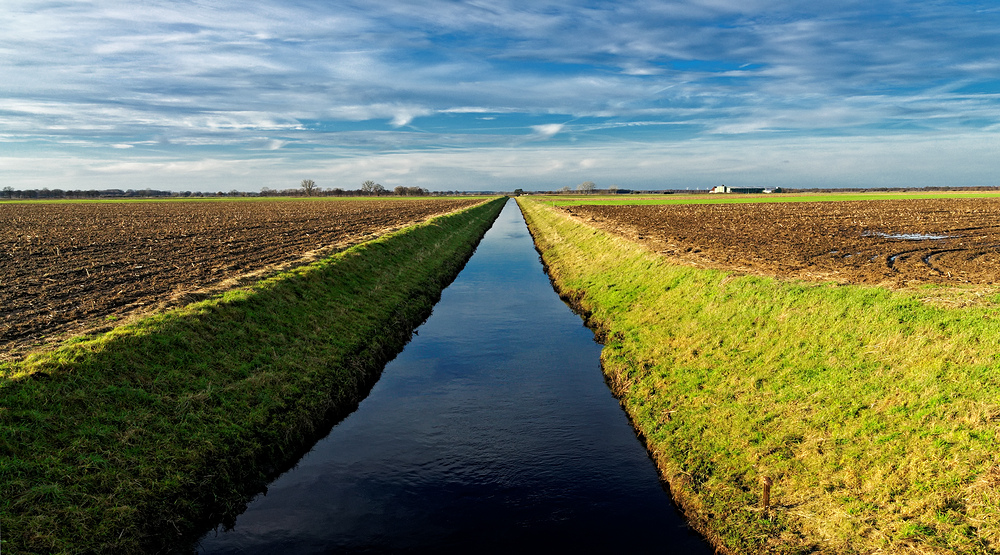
<point>190,95</point>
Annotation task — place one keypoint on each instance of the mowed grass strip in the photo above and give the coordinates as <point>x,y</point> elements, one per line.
<point>132,441</point>
<point>874,413</point>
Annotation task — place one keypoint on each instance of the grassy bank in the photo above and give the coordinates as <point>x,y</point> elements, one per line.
<point>873,412</point>
<point>134,440</point>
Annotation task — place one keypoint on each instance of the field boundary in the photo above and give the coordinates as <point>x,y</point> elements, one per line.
<point>118,200</point>
<point>141,439</point>
<point>70,269</point>
<point>639,199</point>
<point>871,412</point>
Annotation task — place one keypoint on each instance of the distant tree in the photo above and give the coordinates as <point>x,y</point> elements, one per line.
<point>309,187</point>
<point>410,191</point>
<point>565,190</point>
<point>613,190</point>
<point>518,192</point>
<point>586,187</point>
<point>337,192</point>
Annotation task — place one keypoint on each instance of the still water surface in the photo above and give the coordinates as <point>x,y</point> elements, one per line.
<point>493,431</point>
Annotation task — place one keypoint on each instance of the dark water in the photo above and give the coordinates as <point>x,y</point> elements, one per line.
<point>492,432</point>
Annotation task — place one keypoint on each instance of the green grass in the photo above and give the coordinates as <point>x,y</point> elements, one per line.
<point>135,440</point>
<point>874,412</point>
<point>576,200</point>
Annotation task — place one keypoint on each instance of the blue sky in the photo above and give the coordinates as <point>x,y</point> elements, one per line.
<point>496,94</point>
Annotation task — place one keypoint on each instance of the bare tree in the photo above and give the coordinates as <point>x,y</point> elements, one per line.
<point>613,189</point>
<point>587,187</point>
<point>309,186</point>
<point>368,186</point>
<point>565,190</point>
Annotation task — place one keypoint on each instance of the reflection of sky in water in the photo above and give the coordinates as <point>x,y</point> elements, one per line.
<point>492,431</point>
<point>906,236</point>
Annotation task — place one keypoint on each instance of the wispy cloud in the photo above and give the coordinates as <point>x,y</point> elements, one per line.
<point>547,130</point>
<point>361,79</point>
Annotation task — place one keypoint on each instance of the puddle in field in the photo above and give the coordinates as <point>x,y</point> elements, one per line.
<point>493,431</point>
<point>906,236</point>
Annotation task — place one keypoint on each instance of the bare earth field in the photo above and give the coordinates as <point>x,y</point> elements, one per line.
<point>71,268</point>
<point>894,243</point>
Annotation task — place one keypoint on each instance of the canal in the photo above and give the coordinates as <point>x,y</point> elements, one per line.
<point>492,431</point>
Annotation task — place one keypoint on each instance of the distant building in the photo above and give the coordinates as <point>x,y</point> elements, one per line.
<point>738,190</point>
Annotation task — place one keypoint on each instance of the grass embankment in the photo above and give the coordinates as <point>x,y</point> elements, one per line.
<point>875,413</point>
<point>134,440</point>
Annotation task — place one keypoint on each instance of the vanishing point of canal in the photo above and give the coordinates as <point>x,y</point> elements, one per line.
<point>493,431</point>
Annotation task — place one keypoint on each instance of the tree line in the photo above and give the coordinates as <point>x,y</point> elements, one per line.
<point>368,188</point>
<point>46,193</point>
<point>306,188</point>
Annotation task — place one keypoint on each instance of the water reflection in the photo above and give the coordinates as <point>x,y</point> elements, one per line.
<point>492,431</point>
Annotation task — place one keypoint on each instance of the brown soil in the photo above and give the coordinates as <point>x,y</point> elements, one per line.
<point>891,243</point>
<point>71,268</point>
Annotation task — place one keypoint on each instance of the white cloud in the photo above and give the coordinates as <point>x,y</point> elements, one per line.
<point>882,161</point>
<point>547,130</point>
<point>638,70</point>
<point>403,118</point>
<point>246,80</point>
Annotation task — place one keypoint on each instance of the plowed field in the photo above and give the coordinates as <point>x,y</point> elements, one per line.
<point>68,268</point>
<point>893,243</point>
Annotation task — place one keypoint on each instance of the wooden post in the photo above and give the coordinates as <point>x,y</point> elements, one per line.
<point>767,482</point>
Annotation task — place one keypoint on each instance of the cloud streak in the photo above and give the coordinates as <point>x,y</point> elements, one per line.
<point>191,81</point>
